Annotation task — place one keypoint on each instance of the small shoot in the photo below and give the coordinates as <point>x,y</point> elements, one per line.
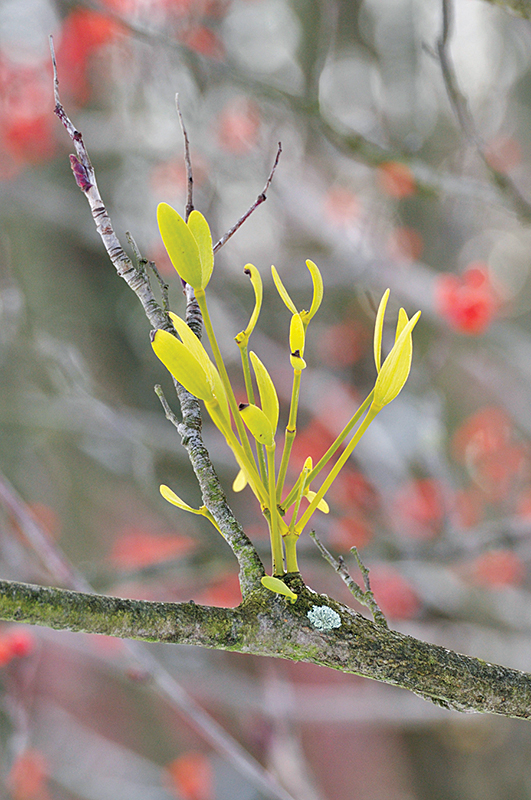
<point>278,587</point>
<point>189,245</point>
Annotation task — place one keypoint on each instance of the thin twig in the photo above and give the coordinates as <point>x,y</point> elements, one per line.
<point>366,597</point>
<point>262,197</point>
<point>142,263</point>
<point>188,162</point>
<point>170,415</point>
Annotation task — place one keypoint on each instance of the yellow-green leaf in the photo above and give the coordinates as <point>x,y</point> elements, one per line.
<point>184,366</point>
<point>318,290</point>
<point>378,328</point>
<point>296,335</point>
<point>256,282</point>
<point>240,482</point>
<point>258,424</point>
<point>180,244</point>
<point>396,367</point>
<point>401,324</point>
<point>297,362</point>
<point>169,495</point>
<point>322,505</point>
<point>267,391</point>
<point>201,233</point>
<point>282,291</point>
<point>194,345</point>
<point>278,586</point>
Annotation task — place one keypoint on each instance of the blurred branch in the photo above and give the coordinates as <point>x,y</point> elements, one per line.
<point>267,625</point>
<point>352,143</point>
<point>466,122</point>
<point>521,8</point>
<point>251,568</point>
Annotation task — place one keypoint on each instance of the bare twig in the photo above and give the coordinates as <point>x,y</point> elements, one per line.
<point>143,263</point>
<point>366,597</point>
<point>188,162</point>
<point>170,415</point>
<point>262,197</point>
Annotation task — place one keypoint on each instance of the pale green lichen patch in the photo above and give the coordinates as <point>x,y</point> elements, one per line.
<point>324,618</point>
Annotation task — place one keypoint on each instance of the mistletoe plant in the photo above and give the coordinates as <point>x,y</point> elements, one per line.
<point>189,246</point>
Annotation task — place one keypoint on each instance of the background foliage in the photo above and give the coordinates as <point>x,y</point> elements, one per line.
<point>381,185</point>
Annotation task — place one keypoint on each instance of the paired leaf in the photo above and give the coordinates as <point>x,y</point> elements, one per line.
<point>267,391</point>
<point>256,282</point>
<point>240,482</point>
<point>278,586</point>
<point>194,345</point>
<point>318,291</point>
<point>180,245</point>
<point>322,505</point>
<point>169,495</point>
<point>378,329</point>
<point>183,365</point>
<point>296,335</point>
<point>396,367</point>
<point>258,424</point>
<point>282,291</point>
<point>201,233</point>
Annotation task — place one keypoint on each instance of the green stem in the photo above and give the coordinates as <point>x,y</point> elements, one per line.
<point>242,433</point>
<point>291,432</point>
<point>244,353</point>
<point>277,550</point>
<point>249,469</point>
<point>336,469</point>
<point>290,543</point>
<point>331,450</point>
<point>301,483</point>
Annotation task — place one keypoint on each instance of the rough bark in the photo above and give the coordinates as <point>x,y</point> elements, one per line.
<point>268,625</point>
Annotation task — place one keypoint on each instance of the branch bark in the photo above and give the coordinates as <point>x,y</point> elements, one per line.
<point>266,625</point>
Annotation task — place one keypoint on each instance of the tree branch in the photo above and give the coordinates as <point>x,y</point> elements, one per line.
<point>267,625</point>
<point>251,567</point>
<point>466,122</point>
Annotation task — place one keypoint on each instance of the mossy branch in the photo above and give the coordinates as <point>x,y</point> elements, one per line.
<point>267,625</point>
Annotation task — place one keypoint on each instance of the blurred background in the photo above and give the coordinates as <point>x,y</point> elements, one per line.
<point>394,172</point>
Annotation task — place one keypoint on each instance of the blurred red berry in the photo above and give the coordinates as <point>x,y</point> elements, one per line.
<point>83,33</point>
<point>224,591</point>
<point>498,568</point>
<point>396,179</point>
<point>405,244</point>
<point>393,593</point>
<point>352,531</point>
<point>344,343</point>
<point>419,506</point>
<point>487,446</point>
<point>21,642</point>
<point>204,41</point>
<point>190,776</point>
<point>27,777</point>
<point>341,207</point>
<point>468,303</point>
<point>135,549</point>
<point>468,507</point>
<point>239,126</point>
